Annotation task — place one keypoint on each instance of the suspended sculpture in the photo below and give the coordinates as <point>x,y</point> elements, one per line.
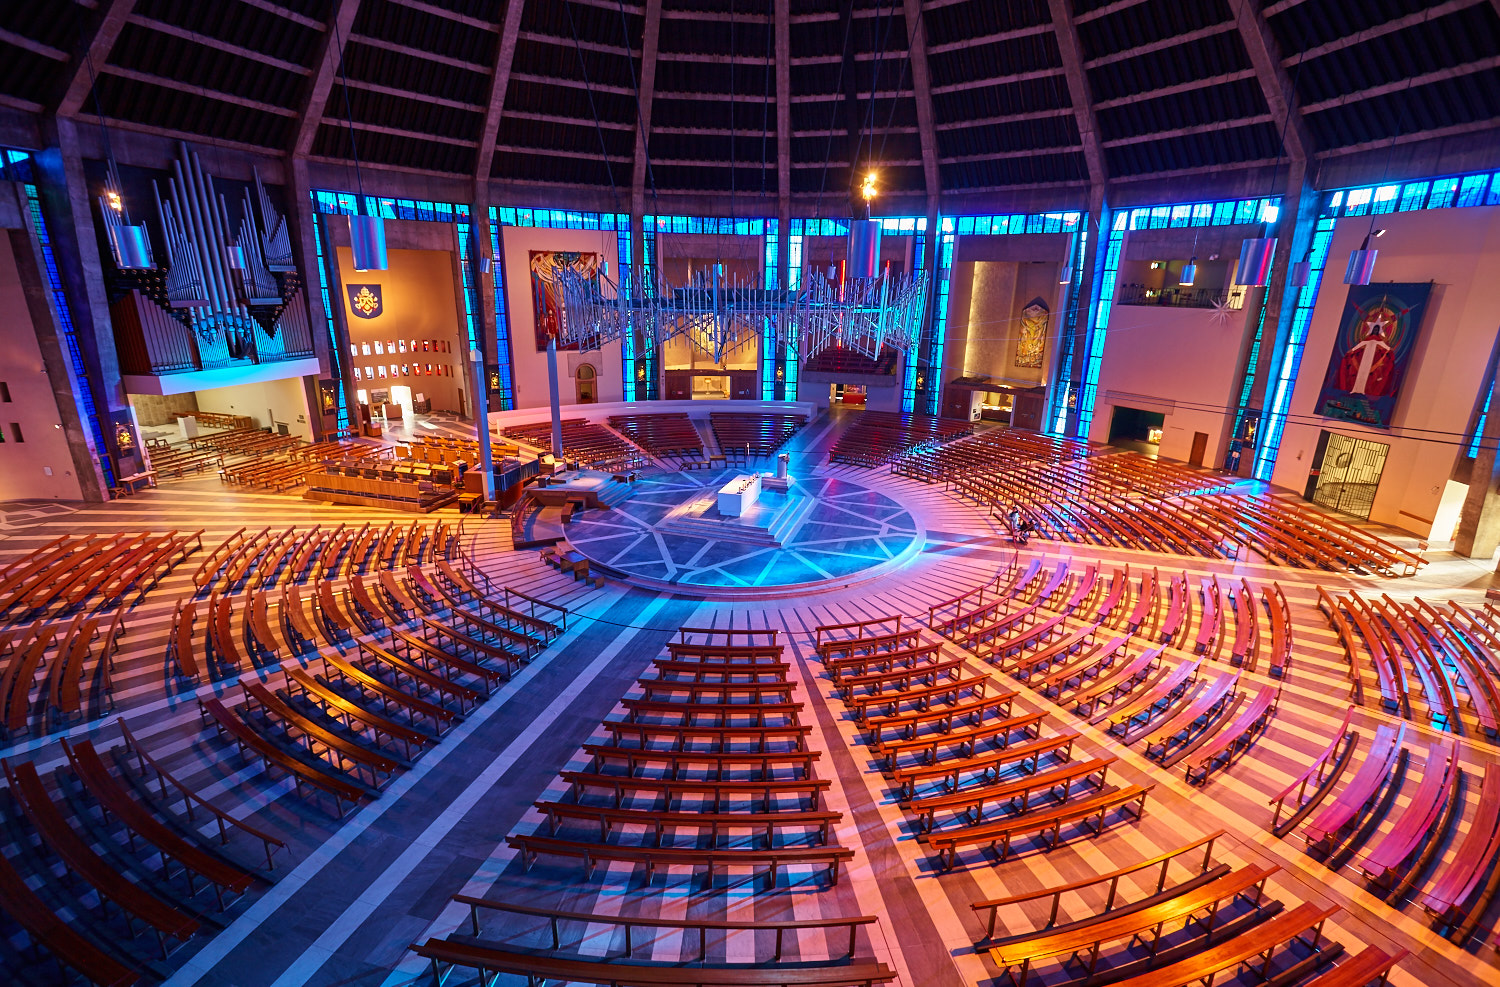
<point>717,315</point>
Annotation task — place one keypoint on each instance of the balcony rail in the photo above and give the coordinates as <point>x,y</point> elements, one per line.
<point>1181,297</point>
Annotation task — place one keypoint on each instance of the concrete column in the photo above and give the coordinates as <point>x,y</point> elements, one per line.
<point>553,398</point>
<point>1479,520</point>
<point>305,252</point>
<point>1099,220</point>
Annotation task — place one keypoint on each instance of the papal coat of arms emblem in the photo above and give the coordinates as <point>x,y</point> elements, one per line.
<point>365,300</point>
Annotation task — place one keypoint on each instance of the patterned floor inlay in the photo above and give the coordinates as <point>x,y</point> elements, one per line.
<point>824,529</point>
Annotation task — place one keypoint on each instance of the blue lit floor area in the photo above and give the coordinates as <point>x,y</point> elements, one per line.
<point>825,532</point>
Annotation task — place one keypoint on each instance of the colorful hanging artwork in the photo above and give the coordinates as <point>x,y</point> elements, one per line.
<point>1033,341</point>
<point>546,297</point>
<point>1375,342</point>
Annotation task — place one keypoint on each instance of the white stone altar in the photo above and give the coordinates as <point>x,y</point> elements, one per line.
<point>739,494</point>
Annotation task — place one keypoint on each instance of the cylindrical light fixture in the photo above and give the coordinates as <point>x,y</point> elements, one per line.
<point>864,248</point>
<point>1299,273</point>
<point>367,243</point>
<point>236,254</point>
<point>1255,261</point>
<point>1189,273</point>
<point>1361,264</point>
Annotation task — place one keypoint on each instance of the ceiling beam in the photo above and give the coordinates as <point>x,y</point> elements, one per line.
<point>494,104</point>
<point>422,53</point>
<point>177,85</point>
<point>1163,45</point>
<point>645,94</point>
<point>321,83</point>
<point>921,84</point>
<point>999,80</point>
<point>1069,49</point>
<point>95,52</point>
<point>598,87</point>
<point>1202,128</point>
<point>1106,10</point>
<point>291,15</point>
<point>783,47</point>
<point>1004,118</point>
<point>1483,65</point>
<point>32,45</point>
<point>478,23</point>
<point>1020,152</point>
<point>552,39</point>
<point>1181,87</point>
<point>1388,27</point>
<point>1013,34</point>
<point>375,87</point>
<point>214,44</point>
<point>1265,58</point>
<point>1384,143</point>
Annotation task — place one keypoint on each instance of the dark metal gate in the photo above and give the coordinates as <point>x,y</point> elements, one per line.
<point>1350,474</point>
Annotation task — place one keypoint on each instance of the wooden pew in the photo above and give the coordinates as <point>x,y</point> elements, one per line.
<point>114,800</point>
<point>1017,793</point>
<point>999,834</point>
<point>830,857</point>
<point>1236,736</point>
<point>1383,856</point>
<point>1261,941</point>
<point>1385,752</point>
<point>69,947</point>
<point>250,742</point>
<point>78,856</point>
<point>1113,904</point>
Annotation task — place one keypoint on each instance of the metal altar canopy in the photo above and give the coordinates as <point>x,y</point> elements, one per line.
<point>718,315</point>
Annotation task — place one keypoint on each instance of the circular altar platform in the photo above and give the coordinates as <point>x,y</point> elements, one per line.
<point>822,533</point>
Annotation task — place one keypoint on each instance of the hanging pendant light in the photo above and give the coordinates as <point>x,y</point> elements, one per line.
<point>1362,261</point>
<point>1190,269</point>
<point>1254,269</point>
<point>129,243</point>
<point>1299,273</point>
<point>236,254</point>
<point>366,233</point>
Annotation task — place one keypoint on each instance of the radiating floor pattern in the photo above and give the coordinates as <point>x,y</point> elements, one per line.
<point>351,894</point>
<point>826,529</point>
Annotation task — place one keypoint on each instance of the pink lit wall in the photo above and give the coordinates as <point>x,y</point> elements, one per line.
<point>39,466</point>
<point>1459,250</point>
<point>1177,361</point>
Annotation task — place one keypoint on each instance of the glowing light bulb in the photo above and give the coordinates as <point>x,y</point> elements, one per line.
<point>867,189</point>
<point>114,201</point>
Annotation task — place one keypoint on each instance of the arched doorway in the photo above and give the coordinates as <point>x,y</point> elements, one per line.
<point>585,379</point>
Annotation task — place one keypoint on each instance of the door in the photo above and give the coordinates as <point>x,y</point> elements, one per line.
<point>1349,474</point>
<point>586,379</point>
<point>1200,446</point>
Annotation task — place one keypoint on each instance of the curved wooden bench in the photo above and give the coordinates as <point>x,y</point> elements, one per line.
<point>591,854</point>
<point>948,692</point>
<point>768,822</point>
<point>1088,938</point>
<point>1058,781</point>
<point>1238,734</point>
<point>1107,688</point>
<point>79,857</point>
<point>1371,967</point>
<point>765,792</point>
<point>114,800</point>
<point>1001,833</point>
<point>1439,785</point>
<point>672,762</point>
<point>441,717</point>
<point>342,707</point>
<point>1164,688</point>
<point>315,735</point>
<point>1473,858</point>
<point>1261,941</point>
<point>1164,860</point>
<point>302,773</point>
<point>488,958</point>
<point>1200,709</point>
<point>1026,756</point>
<point>1024,724</point>
<point>67,945</point>
<point>1368,780</point>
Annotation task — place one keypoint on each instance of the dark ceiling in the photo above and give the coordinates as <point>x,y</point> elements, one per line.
<point>1006,93</point>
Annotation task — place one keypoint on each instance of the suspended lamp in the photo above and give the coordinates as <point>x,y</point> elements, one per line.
<point>366,233</point>
<point>1254,268</point>
<point>1362,261</point>
<point>1190,269</point>
<point>129,243</point>
<point>864,235</point>
<point>1299,273</point>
